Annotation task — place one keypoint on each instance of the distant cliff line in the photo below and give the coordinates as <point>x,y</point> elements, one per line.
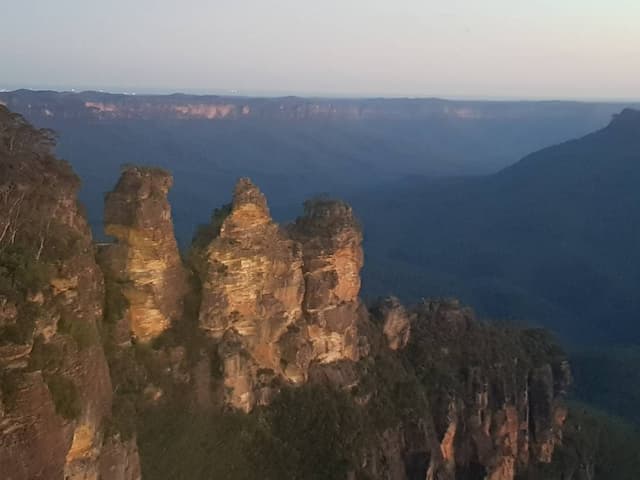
<point>109,106</point>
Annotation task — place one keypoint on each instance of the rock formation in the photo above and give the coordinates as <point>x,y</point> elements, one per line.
<point>252,290</point>
<point>441,396</point>
<point>331,242</point>
<point>55,390</point>
<point>506,411</point>
<point>396,325</point>
<point>145,260</point>
<point>276,299</point>
<point>253,282</point>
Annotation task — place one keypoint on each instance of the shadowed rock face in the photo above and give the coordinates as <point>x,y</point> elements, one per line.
<point>331,241</point>
<point>144,261</point>
<point>509,411</point>
<point>395,320</point>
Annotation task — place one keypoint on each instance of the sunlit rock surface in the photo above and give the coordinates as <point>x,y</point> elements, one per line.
<point>331,240</point>
<point>144,261</point>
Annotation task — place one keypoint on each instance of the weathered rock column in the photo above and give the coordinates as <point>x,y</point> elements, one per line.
<point>252,290</point>
<point>331,241</point>
<point>144,262</point>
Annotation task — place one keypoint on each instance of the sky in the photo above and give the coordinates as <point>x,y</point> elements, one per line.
<point>542,49</point>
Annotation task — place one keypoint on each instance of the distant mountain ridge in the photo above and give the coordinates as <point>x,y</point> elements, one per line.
<point>555,236</point>
<point>102,105</point>
<point>293,147</point>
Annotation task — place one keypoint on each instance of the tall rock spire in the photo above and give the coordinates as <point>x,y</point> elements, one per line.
<point>144,261</point>
<point>252,290</point>
<point>331,240</point>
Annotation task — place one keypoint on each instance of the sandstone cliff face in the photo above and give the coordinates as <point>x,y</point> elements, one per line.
<point>331,242</point>
<point>278,299</point>
<point>56,390</point>
<point>144,261</point>
<point>254,280</point>
<point>497,406</point>
<point>252,290</point>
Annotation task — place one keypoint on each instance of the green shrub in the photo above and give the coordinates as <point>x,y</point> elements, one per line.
<point>203,237</point>
<point>21,274</point>
<point>178,444</point>
<point>595,445</point>
<point>323,426</point>
<point>20,270</point>
<point>207,232</point>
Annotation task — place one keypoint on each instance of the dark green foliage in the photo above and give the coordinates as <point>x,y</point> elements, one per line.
<point>318,432</point>
<point>129,378</point>
<point>21,271</point>
<point>609,378</point>
<point>25,270</point>
<point>22,330</point>
<point>65,396</point>
<point>395,393</point>
<point>178,445</point>
<point>211,230</point>
<point>307,433</point>
<point>595,445</point>
<point>20,275</point>
<point>18,136</point>
<point>552,239</point>
<point>204,235</point>
<point>541,346</point>
<point>447,352</point>
<point>322,426</point>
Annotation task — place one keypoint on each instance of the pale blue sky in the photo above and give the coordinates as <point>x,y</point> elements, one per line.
<point>455,48</point>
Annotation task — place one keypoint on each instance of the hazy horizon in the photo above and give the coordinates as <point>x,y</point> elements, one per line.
<point>577,50</point>
<point>115,90</point>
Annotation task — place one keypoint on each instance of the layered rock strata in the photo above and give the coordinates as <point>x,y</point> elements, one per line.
<point>55,388</point>
<point>278,299</point>
<point>144,262</point>
<point>331,241</point>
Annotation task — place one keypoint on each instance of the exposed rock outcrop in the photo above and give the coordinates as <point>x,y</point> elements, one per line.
<point>396,325</point>
<point>144,261</point>
<point>253,282</point>
<point>503,409</point>
<point>277,300</point>
<point>252,290</point>
<point>56,391</point>
<point>331,241</point>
